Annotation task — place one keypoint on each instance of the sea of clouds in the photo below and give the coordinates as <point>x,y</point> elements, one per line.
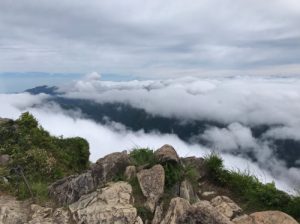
<point>237,102</point>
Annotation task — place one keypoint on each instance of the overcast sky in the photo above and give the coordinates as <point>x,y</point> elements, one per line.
<point>151,38</point>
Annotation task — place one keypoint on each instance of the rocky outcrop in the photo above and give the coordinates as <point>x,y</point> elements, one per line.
<point>178,208</point>
<point>111,204</point>
<point>187,192</point>
<point>91,198</point>
<point>152,182</point>
<point>70,189</point>
<point>266,217</point>
<point>226,206</point>
<point>13,211</point>
<point>166,154</point>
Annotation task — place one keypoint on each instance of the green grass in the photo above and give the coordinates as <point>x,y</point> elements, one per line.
<point>254,195</point>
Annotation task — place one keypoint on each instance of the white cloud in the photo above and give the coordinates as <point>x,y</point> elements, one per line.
<point>248,100</point>
<point>104,139</point>
<point>234,137</point>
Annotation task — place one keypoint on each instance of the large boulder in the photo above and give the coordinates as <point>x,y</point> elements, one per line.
<point>195,163</point>
<point>177,209</point>
<point>111,204</point>
<point>13,211</point>
<point>152,182</point>
<point>70,189</point>
<point>204,212</point>
<point>226,206</point>
<point>166,154</point>
<point>109,166</point>
<point>266,217</point>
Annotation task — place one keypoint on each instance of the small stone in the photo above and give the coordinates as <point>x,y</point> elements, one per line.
<point>4,159</point>
<point>208,193</point>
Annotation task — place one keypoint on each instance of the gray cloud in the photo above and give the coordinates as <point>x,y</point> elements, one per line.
<point>151,38</point>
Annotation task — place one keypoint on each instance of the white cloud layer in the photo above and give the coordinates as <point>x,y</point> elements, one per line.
<point>248,100</point>
<point>105,139</point>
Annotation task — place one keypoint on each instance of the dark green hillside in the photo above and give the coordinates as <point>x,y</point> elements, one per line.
<point>42,157</point>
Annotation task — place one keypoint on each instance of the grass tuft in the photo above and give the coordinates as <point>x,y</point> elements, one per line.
<point>254,195</point>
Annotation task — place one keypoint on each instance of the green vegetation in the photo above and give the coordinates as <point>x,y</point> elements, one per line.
<point>42,157</point>
<point>254,195</point>
<point>173,174</point>
<point>142,156</point>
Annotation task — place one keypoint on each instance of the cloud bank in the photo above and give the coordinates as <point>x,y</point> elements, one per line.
<point>238,103</point>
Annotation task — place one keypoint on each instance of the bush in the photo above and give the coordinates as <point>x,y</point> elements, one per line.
<point>43,158</point>
<point>173,174</point>
<point>142,156</point>
<point>215,168</point>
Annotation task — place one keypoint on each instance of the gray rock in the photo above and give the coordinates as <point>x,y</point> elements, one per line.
<point>226,206</point>
<point>204,212</point>
<point>187,192</point>
<point>178,209</point>
<point>111,204</point>
<point>195,163</point>
<point>49,215</point>
<point>158,215</point>
<point>152,182</point>
<point>70,189</point>
<point>109,166</point>
<point>166,153</point>
<point>266,217</point>
<point>130,172</point>
<point>13,211</point>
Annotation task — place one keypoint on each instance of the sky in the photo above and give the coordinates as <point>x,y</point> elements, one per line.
<point>151,38</point>
<point>232,61</point>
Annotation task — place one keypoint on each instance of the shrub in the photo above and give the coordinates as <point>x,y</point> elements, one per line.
<point>215,168</point>
<point>173,174</point>
<point>142,156</point>
<point>43,158</point>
